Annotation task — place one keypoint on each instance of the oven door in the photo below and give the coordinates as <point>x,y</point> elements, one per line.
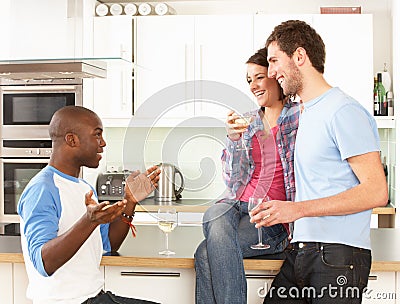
<point>15,175</point>
<point>28,109</point>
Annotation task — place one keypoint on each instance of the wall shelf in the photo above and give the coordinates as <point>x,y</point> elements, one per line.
<point>385,122</point>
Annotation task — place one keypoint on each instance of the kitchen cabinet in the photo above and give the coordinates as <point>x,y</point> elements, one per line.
<point>164,285</point>
<point>264,24</point>
<point>6,283</point>
<point>178,49</point>
<point>381,288</point>
<point>175,49</point>
<point>113,43</point>
<point>258,284</point>
<point>20,281</point>
<point>163,47</point>
<point>31,31</point>
<point>349,49</point>
<point>349,53</point>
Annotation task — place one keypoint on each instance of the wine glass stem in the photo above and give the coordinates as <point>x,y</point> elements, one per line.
<point>166,241</point>
<point>259,236</point>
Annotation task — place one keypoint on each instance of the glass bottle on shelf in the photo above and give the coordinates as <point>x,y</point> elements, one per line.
<point>376,101</point>
<point>381,96</point>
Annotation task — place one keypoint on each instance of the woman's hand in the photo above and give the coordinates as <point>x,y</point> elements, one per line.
<point>234,129</point>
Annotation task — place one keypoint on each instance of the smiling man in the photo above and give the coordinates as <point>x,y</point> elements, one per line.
<point>64,229</point>
<point>338,175</point>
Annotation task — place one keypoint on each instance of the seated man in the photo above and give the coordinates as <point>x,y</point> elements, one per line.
<point>64,230</point>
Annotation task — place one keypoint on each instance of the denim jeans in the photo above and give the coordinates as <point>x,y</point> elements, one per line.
<point>220,276</point>
<point>321,273</point>
<point>110,298</point>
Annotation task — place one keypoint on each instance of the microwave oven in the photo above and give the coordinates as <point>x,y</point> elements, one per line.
<point>28,105</point>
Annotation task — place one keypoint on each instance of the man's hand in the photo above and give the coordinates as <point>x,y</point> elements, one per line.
<point>104,212</point>
<point>273,212</point>
<point>139,186</point>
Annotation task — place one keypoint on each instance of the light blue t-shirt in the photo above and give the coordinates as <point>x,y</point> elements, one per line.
<point>332,128</point>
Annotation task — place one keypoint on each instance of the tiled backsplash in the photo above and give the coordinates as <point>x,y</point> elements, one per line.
<point>388,151</point>
<point>197,153</point>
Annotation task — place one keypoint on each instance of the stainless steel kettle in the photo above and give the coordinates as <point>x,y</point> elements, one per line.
<point>166,190</point>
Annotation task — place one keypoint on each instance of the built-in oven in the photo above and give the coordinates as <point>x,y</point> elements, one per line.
<point>28,105</point>
<point>20,160</point>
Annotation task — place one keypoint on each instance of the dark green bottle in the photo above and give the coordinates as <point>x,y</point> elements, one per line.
<point>381,96</point>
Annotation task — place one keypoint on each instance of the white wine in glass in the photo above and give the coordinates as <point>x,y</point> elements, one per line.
<point>254,202</point>
<point>167,220</point>
<point>245,121</point>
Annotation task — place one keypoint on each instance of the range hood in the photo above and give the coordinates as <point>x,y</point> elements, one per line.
<point>53,69</point>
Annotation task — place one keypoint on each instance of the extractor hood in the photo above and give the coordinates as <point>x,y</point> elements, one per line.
<point>52,69</point>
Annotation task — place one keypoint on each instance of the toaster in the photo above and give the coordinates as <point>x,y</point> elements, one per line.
<point>111,186</point>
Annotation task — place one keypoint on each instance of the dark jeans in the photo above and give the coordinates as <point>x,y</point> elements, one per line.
<point>110,298</point>
<point>321,273</point>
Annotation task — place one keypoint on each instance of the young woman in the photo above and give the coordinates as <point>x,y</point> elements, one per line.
<point>257,162</point>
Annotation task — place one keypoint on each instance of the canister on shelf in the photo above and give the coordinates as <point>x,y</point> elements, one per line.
<point>130,9</point>
<point>161,9</point>
<point>144,9</point>
<point>116,9</point>
<point>101,10</point>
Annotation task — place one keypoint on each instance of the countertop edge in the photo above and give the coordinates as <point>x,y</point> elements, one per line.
<point>249,264</point>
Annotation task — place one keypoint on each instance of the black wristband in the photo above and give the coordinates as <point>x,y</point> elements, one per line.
<point>129,217</point>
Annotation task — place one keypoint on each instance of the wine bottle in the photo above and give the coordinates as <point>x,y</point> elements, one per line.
<point>375,98</point>
<point>381,95</point>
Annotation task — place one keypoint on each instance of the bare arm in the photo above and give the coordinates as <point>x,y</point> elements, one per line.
<point>370,193</point>
<point>56,252</point>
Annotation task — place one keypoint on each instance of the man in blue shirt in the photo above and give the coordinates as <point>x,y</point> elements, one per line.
<point>338,174</point>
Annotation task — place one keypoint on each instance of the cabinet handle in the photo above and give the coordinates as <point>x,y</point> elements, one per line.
<point>372,278</point>
<point>260,276</point>
<point>186,61</point>
<point>149,274</point>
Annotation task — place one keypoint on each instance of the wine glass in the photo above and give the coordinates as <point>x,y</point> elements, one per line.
<point>167,220</point>
<point>245,121</point>
<point>254,202</point>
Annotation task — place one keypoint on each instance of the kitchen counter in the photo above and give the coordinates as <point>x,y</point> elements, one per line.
<point>184,205</point>
<point>142,251</point>
<point>201,205</point>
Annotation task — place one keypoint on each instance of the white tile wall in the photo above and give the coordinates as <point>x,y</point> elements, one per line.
<point>388,150</point>
<point>195,151</point>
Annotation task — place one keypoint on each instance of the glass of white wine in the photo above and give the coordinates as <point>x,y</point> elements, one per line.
<point>244,121</point>
<point>167,220</point>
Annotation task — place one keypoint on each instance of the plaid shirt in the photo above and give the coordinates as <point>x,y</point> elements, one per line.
<point>238,165</point>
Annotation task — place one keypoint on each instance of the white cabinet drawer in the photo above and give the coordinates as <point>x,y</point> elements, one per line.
<point>258,284</point>
<point>381,288</point>
<point>164,285</point>
<point>6,283</point>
